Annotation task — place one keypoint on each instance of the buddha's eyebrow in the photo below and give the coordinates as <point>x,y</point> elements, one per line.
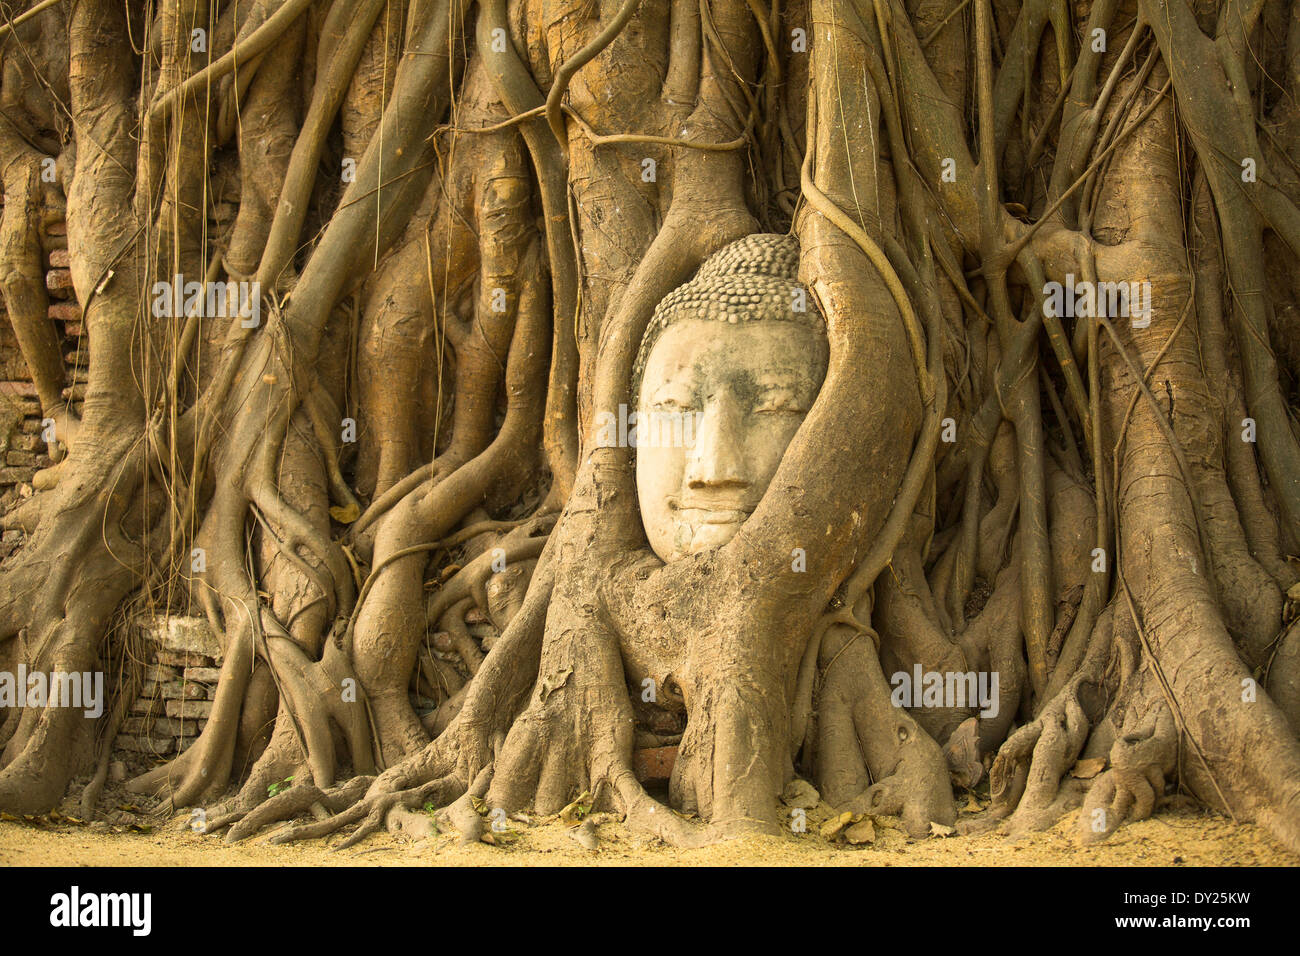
<point>778,378</point>
<point>680,387</point>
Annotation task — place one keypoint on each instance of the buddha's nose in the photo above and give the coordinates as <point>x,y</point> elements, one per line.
<point>718,458</point>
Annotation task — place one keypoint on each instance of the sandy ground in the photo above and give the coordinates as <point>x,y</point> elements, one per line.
<point>1173,837</point>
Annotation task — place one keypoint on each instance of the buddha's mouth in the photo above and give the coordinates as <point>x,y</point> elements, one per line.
<point>701,513</point>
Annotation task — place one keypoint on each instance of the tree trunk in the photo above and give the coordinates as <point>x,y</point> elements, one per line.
<point>1041,511</point>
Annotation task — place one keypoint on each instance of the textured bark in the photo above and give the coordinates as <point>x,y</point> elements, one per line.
<point>460,218</point>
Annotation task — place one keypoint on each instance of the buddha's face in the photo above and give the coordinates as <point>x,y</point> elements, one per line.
<point>740,391</point>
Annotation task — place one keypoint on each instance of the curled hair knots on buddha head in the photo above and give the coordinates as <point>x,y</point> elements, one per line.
<point>751,280</point>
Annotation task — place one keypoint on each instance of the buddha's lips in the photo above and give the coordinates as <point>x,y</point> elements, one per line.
<point>697,514</point>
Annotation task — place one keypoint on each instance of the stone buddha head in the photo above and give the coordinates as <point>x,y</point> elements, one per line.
<point>727,370</point>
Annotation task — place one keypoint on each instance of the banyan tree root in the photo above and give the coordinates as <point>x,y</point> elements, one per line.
<point>1105,522</point>
<point>872,756</point>
<point>1141,760</point>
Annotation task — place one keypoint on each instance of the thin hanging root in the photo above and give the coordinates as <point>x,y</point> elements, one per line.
<point>90,796</point>
<point>323,414</point>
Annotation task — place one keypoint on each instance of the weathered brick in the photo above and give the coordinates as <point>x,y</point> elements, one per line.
<point>188,634</point>
<point>19,389</point>
<point>12,363</point>
<point>59,259</point>
<point>26,459</point>
<point>180,659</point>
<point>58,280</point>
<point>181,690</point>
<point>204,675</point>
<point>174,727</point>
<point>653,763</point>
<point>161,673</point>
<point>147,706</point>
<point>25,442</point>
<point>137,726</point>
<point>189,708</point>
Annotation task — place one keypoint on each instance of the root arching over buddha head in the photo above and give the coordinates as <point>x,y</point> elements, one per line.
<point>727,371</point>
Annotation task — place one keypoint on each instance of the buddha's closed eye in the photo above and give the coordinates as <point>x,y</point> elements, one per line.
<point>675,398</point>
<point>780,400</point>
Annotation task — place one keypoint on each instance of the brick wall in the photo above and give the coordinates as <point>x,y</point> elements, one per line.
<point>180,682</point>
<point>22,451</point>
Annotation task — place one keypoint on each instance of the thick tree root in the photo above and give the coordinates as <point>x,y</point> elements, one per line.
<point>861,731</point>
<point>1025,781</point>
<point>1141,761</point>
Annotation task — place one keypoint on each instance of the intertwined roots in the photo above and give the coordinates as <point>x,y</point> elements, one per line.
<point>455,222</point>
